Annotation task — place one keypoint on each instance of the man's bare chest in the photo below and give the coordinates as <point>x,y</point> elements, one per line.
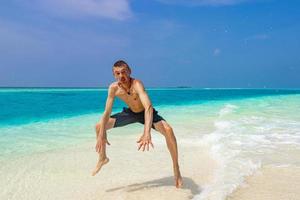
<point>133,97</point>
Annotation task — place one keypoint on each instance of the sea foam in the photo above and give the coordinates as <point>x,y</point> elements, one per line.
<point>241,144</point>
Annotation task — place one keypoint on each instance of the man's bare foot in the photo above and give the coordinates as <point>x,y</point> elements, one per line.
<point>178,182</point>
<point>99,165</point>
<point>177,177</point>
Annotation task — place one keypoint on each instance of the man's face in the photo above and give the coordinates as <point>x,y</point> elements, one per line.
<point>121,74</point>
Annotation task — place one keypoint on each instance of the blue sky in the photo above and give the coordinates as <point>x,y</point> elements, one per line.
<point>199,43</point>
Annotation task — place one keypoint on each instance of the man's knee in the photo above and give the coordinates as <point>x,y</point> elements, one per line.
<point>168,130</point>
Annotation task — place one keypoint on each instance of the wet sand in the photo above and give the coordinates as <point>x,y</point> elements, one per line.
<point>270,183</point>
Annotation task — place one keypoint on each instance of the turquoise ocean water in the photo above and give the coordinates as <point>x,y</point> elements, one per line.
<point>243,128</point>
<point>21,106</point>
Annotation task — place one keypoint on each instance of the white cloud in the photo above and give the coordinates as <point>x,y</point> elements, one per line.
<point>216,52</point>
<point>21,42</point>
<point>113,9</point>
<point>17,40</point>
<point>258,37</point>
<point>204,2</point>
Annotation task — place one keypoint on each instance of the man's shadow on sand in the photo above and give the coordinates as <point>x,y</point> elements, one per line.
<point>188,183</point>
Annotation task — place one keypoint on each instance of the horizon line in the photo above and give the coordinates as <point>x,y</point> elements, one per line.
<point>171,87</point>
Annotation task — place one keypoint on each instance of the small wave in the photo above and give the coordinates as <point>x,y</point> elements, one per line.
<point>228,108</point>
<point>241,145</point>
<point>232,167</point>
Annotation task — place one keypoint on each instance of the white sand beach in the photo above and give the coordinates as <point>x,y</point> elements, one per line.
<point>129,174</point>
<point>133,175</point>
<point>270,183</point>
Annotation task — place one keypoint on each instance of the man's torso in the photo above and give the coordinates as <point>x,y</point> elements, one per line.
<point>132,100</point>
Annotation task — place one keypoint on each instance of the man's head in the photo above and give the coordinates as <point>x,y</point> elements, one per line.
<point>121,71</point>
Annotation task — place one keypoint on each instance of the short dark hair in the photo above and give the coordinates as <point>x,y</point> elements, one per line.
<point>121,63</point>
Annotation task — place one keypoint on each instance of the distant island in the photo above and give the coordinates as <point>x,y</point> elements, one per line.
<point>183,87</point>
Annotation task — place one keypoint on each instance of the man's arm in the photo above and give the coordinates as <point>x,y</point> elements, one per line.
<point>146,138</point>
<point>108,109</point>
<point>102,140</point>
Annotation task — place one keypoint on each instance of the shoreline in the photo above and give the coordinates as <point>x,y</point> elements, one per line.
<point>219,144</point>
<point>133,175</point>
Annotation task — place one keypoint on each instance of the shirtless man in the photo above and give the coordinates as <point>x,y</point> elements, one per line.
<point>133,93</point>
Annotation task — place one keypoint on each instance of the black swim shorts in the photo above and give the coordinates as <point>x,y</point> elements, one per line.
<point>127,116</point>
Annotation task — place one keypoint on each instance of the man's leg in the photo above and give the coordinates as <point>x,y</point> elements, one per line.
<point>103,159</point>
<point>164,128</point>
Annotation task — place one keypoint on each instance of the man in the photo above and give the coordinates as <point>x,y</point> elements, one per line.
<point>140,109</point>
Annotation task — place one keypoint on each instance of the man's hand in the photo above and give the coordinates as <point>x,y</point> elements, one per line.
<point>144,142</point>
<point>101,142</point>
